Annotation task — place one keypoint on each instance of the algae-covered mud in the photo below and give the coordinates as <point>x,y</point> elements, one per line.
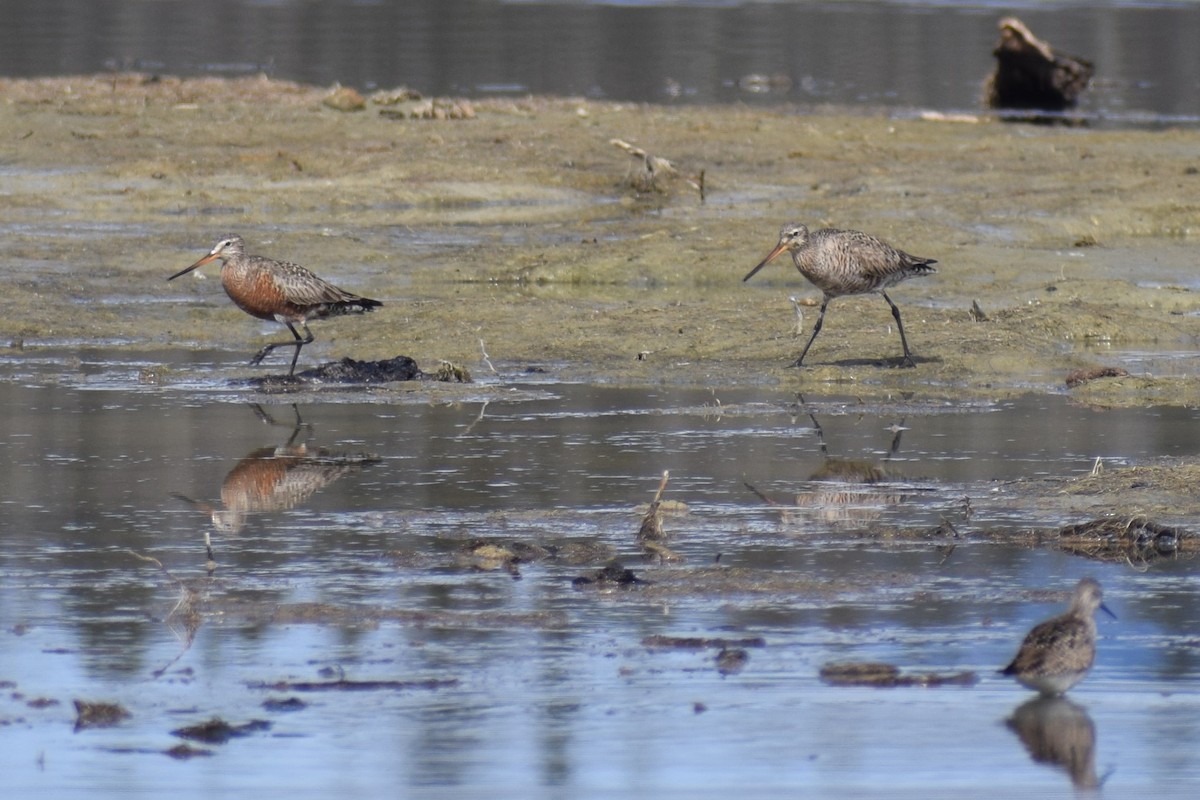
<point>518,233</point>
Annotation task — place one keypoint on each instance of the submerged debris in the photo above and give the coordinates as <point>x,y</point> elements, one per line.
<point>1029,75</point>
<point>284,704</point>
<point>183,751</point>
<point>218,731</point>
<point>731,661</point>
<point>659,642</point>
<point>613,574</point>
<point>346,685</point>
<point>488,556</point>
<point>883,675</point>
<point>98,715</point>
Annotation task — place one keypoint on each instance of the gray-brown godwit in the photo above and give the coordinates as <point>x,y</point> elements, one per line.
<point>846,262</point>
<point>1058,653</point>
<point>278,290</point>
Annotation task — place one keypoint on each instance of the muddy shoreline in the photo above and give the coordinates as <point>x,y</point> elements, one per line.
<point>519,229</point>
<point>515,239</point>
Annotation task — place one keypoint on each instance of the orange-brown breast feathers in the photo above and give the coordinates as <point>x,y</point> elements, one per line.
<point>270,289</point>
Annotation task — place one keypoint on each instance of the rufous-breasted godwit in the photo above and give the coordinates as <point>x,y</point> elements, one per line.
<point>278,290</point>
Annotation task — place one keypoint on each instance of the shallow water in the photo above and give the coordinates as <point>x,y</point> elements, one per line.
<point>361,573</point>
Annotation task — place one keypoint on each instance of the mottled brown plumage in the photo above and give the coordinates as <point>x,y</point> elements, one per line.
<point>846,262</point>
<point>1058,653</point>
<point>278,290</point>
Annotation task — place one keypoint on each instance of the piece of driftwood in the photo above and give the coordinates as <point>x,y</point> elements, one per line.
<point>1029,75</point>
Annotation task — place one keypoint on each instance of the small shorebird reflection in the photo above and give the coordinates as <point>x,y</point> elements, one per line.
<point>276,478</point>
<point>1058,732</point>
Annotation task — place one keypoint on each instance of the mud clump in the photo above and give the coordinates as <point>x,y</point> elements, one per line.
<point>659,642</point>
<point>1081,376</point>
<point>1134,539</point>
<point>284,704</point>
<point>342,684</point>
<point>98,715</point>
<point>351,372</point>
<point>731,661</point>
<point>612,575</point>
<point>883,675</point>
<point>218,731</point>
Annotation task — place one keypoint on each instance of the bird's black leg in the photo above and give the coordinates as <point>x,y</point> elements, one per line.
<point>908,359</point>
<point>816,330</point>
<point>298,343</point>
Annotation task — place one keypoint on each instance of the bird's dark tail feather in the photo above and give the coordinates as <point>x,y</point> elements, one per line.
<point>356,306</point>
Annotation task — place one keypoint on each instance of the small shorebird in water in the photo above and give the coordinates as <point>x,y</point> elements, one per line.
<point>1058,653</point>
<point>278,290</point>
<point>846,262</point>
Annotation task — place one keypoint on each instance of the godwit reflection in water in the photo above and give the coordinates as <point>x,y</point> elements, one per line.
<point>854,496</point>
<point>276,478</point>
<point>1058,732</point>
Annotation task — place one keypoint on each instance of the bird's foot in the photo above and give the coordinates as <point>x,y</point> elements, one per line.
<point>260,355</point>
